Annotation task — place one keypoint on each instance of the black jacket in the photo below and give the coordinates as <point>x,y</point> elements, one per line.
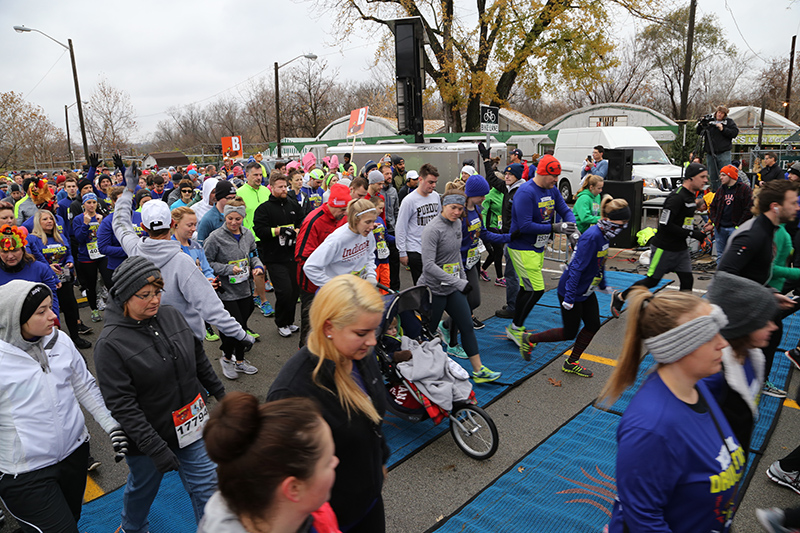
<point>775,172</point>
<point>360,446</point>
<point>721,141</point>
<point>750,250</point>
<point>508,194</point>
<point>148,369</point>
<point>270,214</point>
<point>676,221</point>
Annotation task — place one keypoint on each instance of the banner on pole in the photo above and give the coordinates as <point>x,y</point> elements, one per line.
<point>232,146</point>
<point>358,122</point>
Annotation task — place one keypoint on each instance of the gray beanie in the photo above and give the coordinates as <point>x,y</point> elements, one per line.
<point>376,176</point>
<point>130,276</point>
<point>748,305</point>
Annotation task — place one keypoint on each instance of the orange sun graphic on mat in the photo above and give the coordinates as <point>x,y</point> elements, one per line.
<point>604,489</point>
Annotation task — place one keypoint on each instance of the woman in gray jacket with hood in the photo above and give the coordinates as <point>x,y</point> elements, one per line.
<point>443,272</point>
<point>231,252</point>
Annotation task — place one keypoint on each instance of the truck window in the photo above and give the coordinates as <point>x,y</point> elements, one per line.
<point>650,156</point>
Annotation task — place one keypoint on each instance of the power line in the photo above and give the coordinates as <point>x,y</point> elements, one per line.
<point>741,34</point>
<point>26,95</point>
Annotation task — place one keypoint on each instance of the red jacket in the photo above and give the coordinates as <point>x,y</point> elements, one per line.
<point>317,225</point>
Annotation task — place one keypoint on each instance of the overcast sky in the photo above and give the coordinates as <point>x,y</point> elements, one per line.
<point>174,52</point>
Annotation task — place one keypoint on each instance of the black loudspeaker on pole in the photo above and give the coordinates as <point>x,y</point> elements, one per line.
<point>409,40</point>
<point>633,193</point>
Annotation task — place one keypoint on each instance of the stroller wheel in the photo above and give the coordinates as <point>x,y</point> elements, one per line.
<point>474,431</point>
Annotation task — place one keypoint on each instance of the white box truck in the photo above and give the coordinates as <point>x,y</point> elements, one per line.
<point>650,163</point>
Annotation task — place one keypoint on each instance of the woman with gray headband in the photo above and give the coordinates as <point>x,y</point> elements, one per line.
<point>231,252</point>
<point>678,460</point>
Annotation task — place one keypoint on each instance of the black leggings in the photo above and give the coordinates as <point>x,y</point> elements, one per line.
<point>87,276</point>
<point>495,256</point>
<point>525,302</point>
<point>240,310</point>
<point>587,312</point>
<point>457,307</point>
<point>473,299</point>
<point>69,306</point>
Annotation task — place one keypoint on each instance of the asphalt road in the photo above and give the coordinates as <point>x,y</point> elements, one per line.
<point>440,478</point>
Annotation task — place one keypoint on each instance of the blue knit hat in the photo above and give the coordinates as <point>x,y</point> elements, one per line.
<point>515,169</point>
<point>476,186</point>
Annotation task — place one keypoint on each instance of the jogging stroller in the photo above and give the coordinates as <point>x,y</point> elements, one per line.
<point>471,427</point>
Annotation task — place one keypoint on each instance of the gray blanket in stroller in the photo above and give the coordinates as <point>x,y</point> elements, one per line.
<point>431,371</point>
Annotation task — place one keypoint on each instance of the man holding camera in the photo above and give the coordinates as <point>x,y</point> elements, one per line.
<point>718,132</point>
<point>595,164</point>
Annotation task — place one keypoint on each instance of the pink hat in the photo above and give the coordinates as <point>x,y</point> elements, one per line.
<point>340,195</point>
<point>309,160</point>
<point>292,165</point>
<point>326,161</point>
<point>334,162</point>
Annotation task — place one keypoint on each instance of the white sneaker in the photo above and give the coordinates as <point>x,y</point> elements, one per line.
<point>285,331</point>
<point>228,369</point>
<point>101,304</point>
<point>293,328</point>
<point>244,367</point>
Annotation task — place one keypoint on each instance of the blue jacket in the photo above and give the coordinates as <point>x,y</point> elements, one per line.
<point>54,252</point>
<point>63,212</point>
<point>196,252</point>
<point>86,235</point>
<point>586,269</point>
<point>473,230</point>
<point>314,196</point>
<point>532,215</point>
<point>37,272</point>
<point>210,221</point>
<point>600,169</point>
<point>109,245</point>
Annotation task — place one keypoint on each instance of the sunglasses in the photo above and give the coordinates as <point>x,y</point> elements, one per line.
<point>186,190</point>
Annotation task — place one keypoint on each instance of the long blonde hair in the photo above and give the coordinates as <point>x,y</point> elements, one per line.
<point>590,181</point>
<point>661,312</point>
<point>39,231</point>
<point>340,302</point>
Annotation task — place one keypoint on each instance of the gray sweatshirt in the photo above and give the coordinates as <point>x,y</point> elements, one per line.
<point>224,251</point>
<point>185,287</point>
<point>442,269</point>
<point>415,212</point>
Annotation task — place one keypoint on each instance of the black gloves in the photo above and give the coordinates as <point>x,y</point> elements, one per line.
<point>483,151</point>
<point>289,235</point>
<point>247,342</point>
<point>515,235</point>
<point>467,289</point>
<point>119,441</point>
<point>565,227</point>
<point>698,235</point>
<point>131,178</point>
<point>118,163</point>
<point>94,160</point>
<point>165,460</point>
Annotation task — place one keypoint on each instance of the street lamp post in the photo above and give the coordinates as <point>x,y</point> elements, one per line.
<point>23,29</point>
<point>312,57</point>
<point>69,142</point>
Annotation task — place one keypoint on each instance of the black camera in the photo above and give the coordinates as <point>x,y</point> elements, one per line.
<point>706,120</point>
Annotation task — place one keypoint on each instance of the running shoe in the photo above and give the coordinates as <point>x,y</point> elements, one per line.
<point>772,520</point>
<point>444,333</point>
<point>83,329</point>
<point>787,479</point>
<point>505,312</point>
<point>101,304</point>
<point>93,464</point>
<point>228,369</point>
<point>266,309</point>
<point>515,334</point>
<point>285,331</point>
<point>211,336</point>
<point>477,324</point>
<point>268,286</point>
<point>457,351</point>
<point>577,369</point>
<point>794,356</point>
<point>527,346</point>
<point>81,344</point>
<point>484,375</point>
<point>771,390</point>
<point>244,367</point>
<point>500,282</point>
<point>253,334</point>
<point>616,304</point>
<point>96,316</point>
<point>293,328</point>
<point>485,276</point>
<point>257,301</point>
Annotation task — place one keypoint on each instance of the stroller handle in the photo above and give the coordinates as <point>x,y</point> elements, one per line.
<point>385,288</point>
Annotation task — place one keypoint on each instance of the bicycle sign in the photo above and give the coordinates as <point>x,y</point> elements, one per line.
<point>490,119</point>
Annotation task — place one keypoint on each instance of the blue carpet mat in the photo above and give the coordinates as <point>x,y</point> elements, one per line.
<point>171,510</point>
<point>565,484</point>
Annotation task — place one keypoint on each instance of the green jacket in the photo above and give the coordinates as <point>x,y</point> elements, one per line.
<point>492,209</point>
<point>252,199</point>
<point>783,251</point>
<point>586,209</point>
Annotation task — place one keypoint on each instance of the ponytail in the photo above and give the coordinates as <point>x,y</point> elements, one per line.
<point>609,204</point>
<point>590,181</point>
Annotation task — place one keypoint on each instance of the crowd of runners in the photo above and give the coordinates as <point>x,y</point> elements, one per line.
<point>169,258</point>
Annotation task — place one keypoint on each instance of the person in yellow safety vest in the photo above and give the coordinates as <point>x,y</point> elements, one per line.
<point>348,168</point>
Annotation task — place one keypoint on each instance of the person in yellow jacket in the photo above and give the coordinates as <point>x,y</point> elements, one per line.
<point>254,194</point>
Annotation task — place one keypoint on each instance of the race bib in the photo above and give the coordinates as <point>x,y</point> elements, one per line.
<point>360,273</point>
<point>473,257</point>
<point>189,421</point>
<point>94,251</point>
<point>453,269</point>
<point>499,221</point>
<point>242,276</point>
<point>541,240</point>
<point>383,250</point>
<point>688,223</point>
<point>481,247</point>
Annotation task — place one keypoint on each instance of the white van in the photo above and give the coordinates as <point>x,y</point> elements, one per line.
<point>650,163</point>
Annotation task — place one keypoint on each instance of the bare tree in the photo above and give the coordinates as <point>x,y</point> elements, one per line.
<point>110,118</point>
<point>27,137</point>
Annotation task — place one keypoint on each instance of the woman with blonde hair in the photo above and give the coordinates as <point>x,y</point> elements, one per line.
<point>350,249</point>
<point>678,460</point>
<point>587,202</point>
<point>585,274</point>
<point>338,370</point>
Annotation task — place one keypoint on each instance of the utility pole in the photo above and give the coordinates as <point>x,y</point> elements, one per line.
<point>69,142</point>
<point>78,97</point>
<point>687,65</point>
<point>789,83</point>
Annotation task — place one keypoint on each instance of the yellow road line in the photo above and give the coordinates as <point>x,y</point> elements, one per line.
<point>790,403</point>
<point>595,358</point>
<point>93,490</point>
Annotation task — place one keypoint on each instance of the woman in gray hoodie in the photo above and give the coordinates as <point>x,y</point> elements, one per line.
<point>443,272</point>
<point>231,252</point>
